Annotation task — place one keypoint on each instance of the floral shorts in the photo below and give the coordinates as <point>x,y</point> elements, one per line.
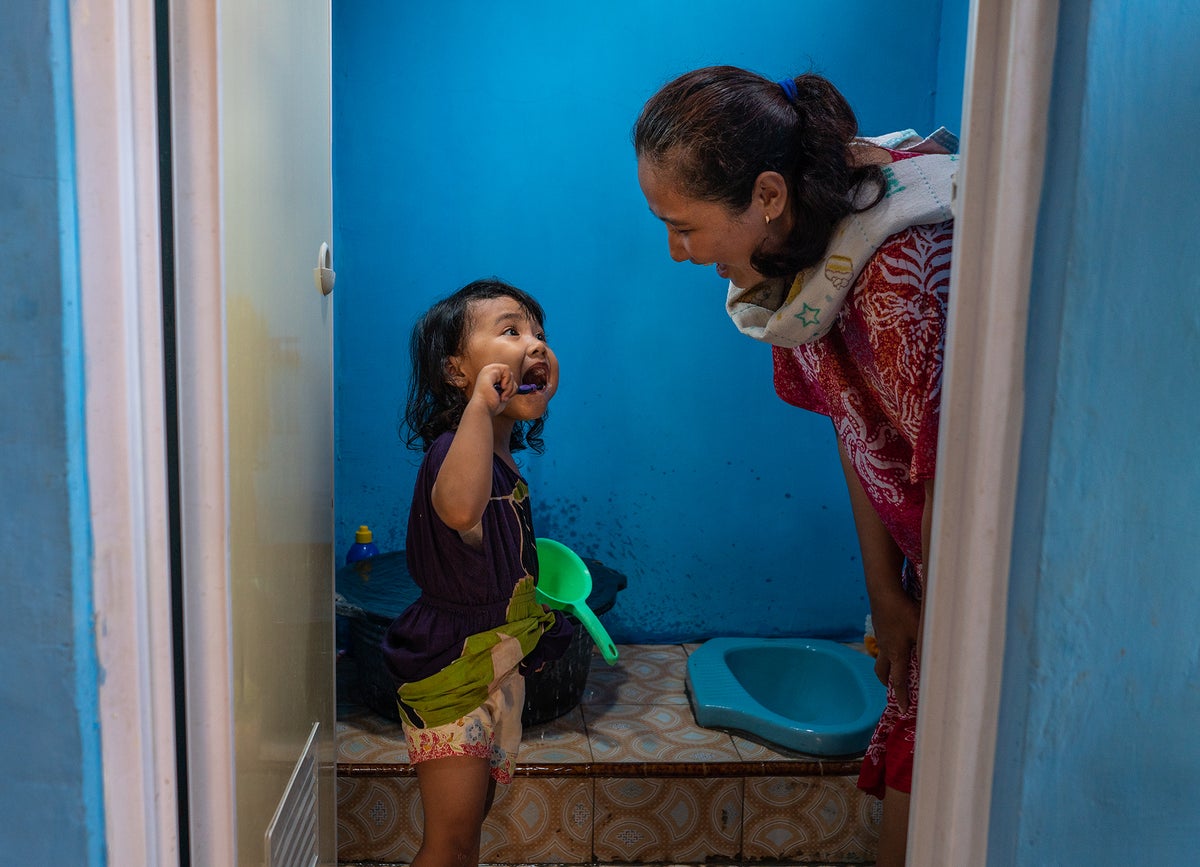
<point>491,731</point>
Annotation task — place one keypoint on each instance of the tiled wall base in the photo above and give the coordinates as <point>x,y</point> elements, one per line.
<point>536,821</point>
<point>577,820</point>
<point>685,820</point>
<point>614,782</point>
<point>809,819</point>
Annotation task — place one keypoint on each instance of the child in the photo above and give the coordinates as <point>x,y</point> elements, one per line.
<point>459,652</point>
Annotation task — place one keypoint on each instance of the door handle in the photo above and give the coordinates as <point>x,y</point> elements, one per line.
<point>323,274</point>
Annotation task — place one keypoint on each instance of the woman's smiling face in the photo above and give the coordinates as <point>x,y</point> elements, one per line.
<point>705,233</point>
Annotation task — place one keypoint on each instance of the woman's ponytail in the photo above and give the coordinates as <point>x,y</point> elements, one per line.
<point>823,185</point>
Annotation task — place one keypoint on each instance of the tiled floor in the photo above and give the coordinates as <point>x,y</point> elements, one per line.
<point>625,777</point>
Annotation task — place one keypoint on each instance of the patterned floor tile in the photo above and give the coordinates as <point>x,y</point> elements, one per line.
<point>809,818</point>
<point>378,819</point>
<point>648,733</point>
<point>719,863</point>
<point>560,741</point>
<point>535,819</point>
<point>634,712</point>
<point>644,674</point>
<point>657,820</point>
<point>541,820</point>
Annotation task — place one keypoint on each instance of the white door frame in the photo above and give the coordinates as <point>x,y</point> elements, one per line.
<point>1010,57</point>
<point>117,207</point>
<point>113,63</point>
<point>203,429</point>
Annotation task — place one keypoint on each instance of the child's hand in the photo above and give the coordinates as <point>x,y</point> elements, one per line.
<point>495,386</point>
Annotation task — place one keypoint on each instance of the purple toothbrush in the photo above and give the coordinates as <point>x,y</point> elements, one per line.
<point>524,388</point>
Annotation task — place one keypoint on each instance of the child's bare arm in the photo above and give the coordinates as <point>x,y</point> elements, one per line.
<point>464,482</point>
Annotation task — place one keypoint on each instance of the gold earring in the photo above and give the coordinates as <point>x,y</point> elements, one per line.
<point>768,219</point>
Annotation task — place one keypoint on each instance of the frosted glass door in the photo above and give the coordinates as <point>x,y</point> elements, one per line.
<point>276,213</point>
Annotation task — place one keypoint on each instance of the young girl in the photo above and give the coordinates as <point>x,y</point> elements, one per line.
<point>482,378</point>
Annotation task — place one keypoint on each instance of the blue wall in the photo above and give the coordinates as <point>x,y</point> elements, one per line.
<point>476,138</point>
<point>952,52</point>
<point>1098,759</point>
<point>50,787</point>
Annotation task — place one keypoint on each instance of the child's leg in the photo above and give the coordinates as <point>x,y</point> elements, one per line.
<point>455,794</point>
<point>893,829</point>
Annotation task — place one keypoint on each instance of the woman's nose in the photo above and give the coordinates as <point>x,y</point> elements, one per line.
<point>675,247</point>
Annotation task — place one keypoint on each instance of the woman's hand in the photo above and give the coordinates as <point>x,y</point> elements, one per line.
<point>896,618</point>
<point>895,615</point>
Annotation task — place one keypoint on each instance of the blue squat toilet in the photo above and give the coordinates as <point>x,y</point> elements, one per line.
<point>809,695</point>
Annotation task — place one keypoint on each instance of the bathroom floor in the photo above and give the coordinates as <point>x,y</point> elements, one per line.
<point>626,777</point>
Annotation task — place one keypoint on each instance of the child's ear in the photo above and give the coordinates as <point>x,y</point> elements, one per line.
<point>454,374</point>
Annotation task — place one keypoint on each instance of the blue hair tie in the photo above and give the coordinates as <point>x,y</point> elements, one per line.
<point>789,89</point>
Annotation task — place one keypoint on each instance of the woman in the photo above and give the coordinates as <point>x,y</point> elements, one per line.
<point>837,251</point>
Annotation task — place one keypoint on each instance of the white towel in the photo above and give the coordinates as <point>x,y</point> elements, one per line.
<point>919,192</point>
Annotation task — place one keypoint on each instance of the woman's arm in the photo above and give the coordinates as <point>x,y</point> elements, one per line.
<point>926,545</point>
<point>894,614</point>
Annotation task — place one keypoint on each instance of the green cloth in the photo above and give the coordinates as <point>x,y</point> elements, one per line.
<point>463,685</point>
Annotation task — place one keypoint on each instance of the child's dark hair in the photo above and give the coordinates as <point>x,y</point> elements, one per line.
<point>718,128</point>
<point>434,405</point>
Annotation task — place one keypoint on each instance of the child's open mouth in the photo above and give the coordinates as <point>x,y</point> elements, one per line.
<point>534,379</point>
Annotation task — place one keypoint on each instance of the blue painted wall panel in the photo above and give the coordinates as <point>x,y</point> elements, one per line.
<point>1097,757</point>
<point>952,52</point>
<point>50,793</point>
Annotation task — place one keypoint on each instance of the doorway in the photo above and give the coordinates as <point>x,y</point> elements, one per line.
<point>1003,87</point>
